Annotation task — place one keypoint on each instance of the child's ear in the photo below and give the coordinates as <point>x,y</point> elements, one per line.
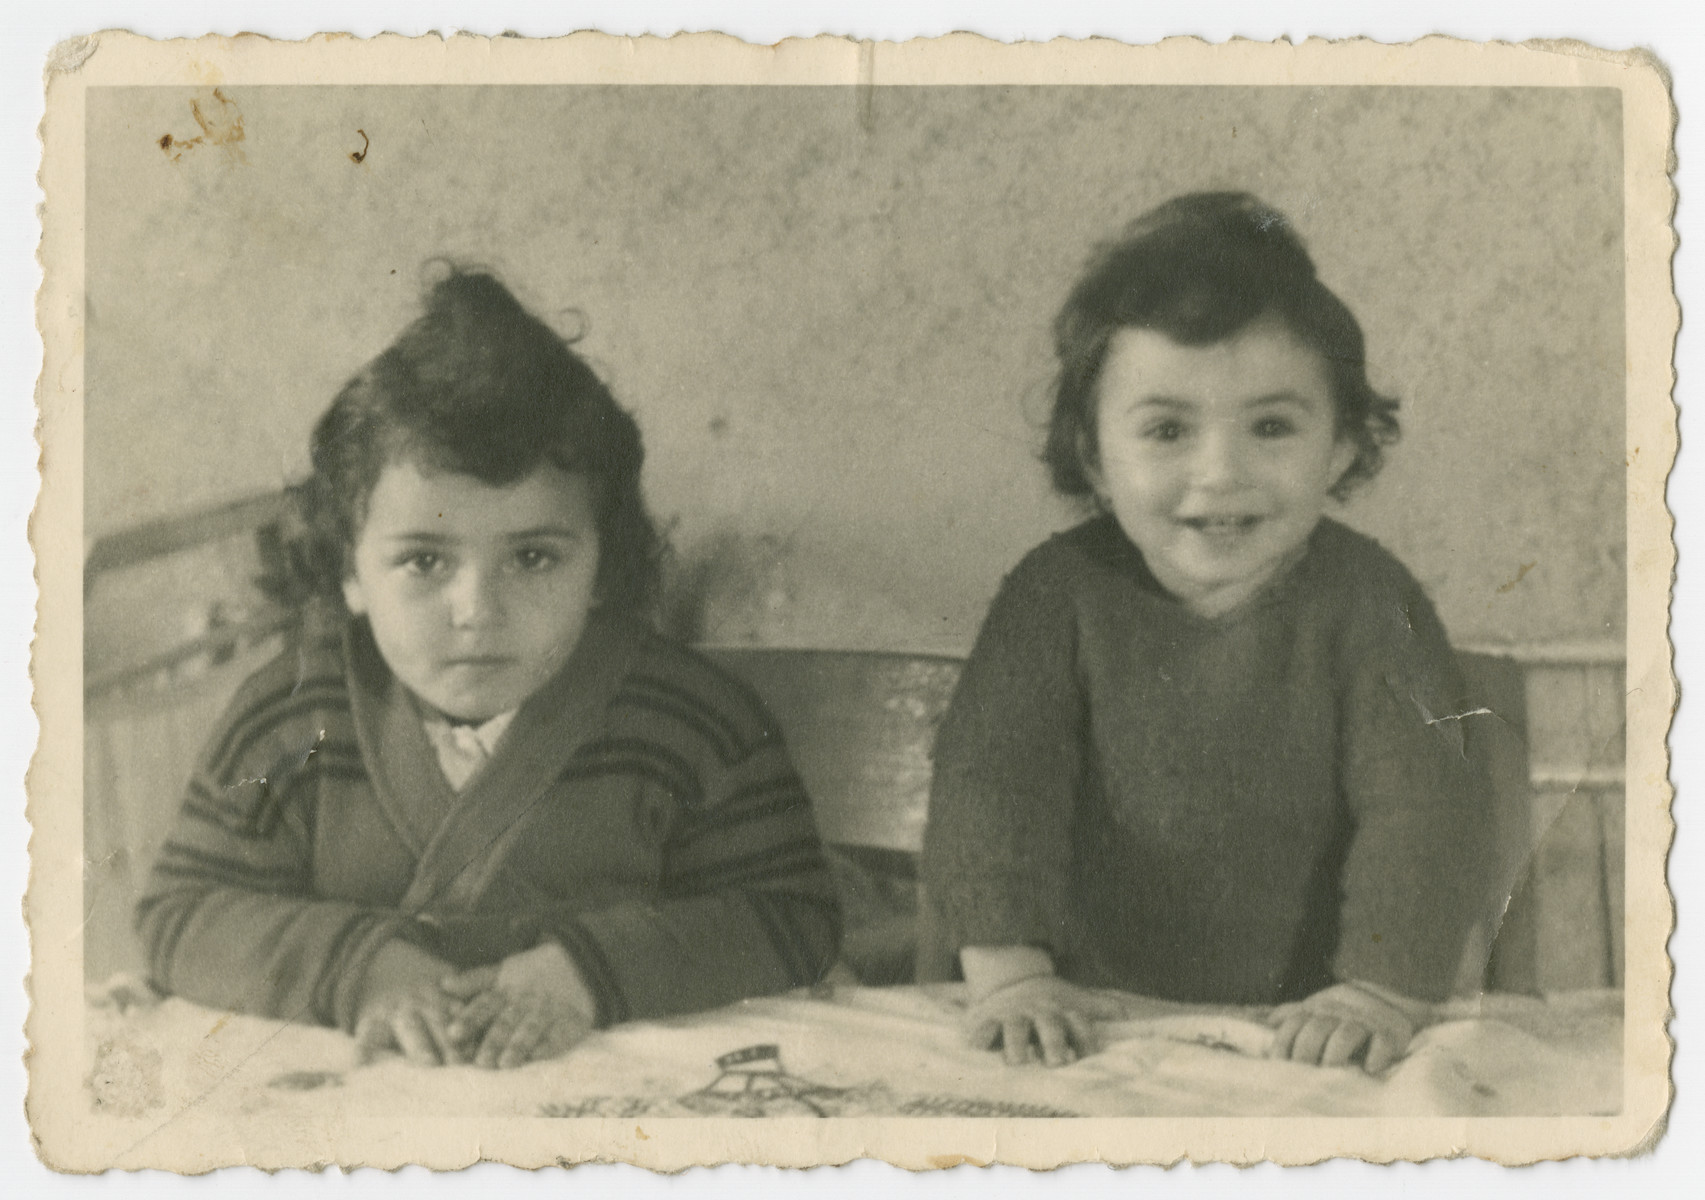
<point>1086,459</point>
<point>1344,452</point>
<point>354,598</point>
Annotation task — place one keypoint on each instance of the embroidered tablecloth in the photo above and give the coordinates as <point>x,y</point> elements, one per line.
<point>850,1051</point>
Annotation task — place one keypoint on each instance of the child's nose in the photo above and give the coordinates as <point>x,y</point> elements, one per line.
<point>474,598</point>
<point>1218,461</point>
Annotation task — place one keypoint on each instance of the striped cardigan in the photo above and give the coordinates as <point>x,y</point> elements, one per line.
<point>641,810</point>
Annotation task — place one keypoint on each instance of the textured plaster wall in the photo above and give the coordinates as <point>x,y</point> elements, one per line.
<point>829,310</point>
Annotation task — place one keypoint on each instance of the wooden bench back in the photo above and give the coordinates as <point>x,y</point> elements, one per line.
<point>860,726</point>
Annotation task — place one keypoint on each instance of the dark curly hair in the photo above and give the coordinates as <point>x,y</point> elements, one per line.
<point>1199,268</point>
<point>478,386</point>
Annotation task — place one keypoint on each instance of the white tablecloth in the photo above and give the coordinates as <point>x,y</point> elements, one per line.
<point>852,1051</point>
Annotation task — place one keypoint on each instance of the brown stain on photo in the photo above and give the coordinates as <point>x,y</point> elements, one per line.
<point>221,124</point>
<point>1521,573</point>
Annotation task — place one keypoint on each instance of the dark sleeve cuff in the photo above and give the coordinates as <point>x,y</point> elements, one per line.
<point>595,970</point>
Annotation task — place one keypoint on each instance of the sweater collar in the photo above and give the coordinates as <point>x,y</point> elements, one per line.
<point>457,836</point>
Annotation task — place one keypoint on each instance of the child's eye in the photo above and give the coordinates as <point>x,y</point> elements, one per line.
<point>535,559</point>
<point>1164,431</point>
<point>422,562</point>
<point>1274,427</point>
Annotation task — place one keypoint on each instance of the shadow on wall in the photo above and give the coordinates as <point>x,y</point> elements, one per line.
<point>725,571</point>
<point>733,588</point>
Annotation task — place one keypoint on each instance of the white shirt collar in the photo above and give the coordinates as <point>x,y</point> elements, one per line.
<point>464,749</point>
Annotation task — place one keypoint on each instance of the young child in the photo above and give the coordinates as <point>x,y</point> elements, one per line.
<point>1206,747</point>
<point>492,810</point>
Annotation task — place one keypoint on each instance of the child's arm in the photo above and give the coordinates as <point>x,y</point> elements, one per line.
<point>744,905</point>
<point>228,917</point>
<point>1417,869</point>
<point>997,852</point>
<point>227,920</point>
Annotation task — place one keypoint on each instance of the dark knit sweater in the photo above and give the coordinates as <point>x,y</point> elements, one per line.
<point>1239,810</point>
<point>641,809</point>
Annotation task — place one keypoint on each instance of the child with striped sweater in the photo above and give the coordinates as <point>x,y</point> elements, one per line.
<point>483,808</point>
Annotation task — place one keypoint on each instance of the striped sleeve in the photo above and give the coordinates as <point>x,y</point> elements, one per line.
<point>228,917</point>
<point>747,906</point>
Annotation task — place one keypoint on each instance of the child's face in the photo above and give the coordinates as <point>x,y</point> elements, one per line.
<point>1217,460</point>
<point>476,594</point>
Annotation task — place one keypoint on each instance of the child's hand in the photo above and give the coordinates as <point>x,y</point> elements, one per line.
<point>403,1007</point>
<point>1042,1013</point>
<point>532,1005</point>
<point>1332,1026</point>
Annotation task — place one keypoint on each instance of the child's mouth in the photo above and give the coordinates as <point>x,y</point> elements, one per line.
<point>1221,526</point>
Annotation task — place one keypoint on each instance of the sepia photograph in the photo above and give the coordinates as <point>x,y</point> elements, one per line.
<point>1104,600</point>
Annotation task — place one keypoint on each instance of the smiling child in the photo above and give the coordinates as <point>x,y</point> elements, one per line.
<point>1195,752</point>
<point>481,808</point>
